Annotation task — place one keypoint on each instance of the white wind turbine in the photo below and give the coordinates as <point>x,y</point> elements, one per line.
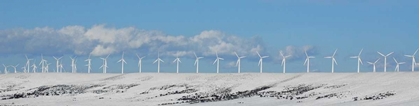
<point>385,59</point>
<point>42,63</point>
<point>5,69</point>
<point>359,61</point>
<point>47,67</point>
<point>218,62</point>
<point>177,60</point>
<point>283,61</point>
<point>34,68</point>
<point>139,63</point>
<point>122,63</point>
<point>61,67</point>
<point>197,61</point>
<point>374,64</point>
<point>238,62</point>
<point>57,63</point>
<point>104,64</point>
<point>332,61</point>
<point>397,68</point>
<point>158,60</point>
<point>260,63</point>
<point>73,64</point>
<point>27,65</point>
<point>14,67</point>
<point>413,62</point>
<point>88,64</point>
<point>307,61</point>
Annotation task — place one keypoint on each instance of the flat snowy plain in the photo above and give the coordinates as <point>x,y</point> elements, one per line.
<point>245,89</point>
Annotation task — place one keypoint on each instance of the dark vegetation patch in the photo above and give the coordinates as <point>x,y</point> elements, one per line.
<point>378,96</point>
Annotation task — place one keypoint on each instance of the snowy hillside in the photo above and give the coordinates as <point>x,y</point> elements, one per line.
<point>210,89</point>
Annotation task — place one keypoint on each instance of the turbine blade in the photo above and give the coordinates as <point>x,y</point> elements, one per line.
<point>415,52</point>
<point>360,52</point>
<point>137,55</point>
<point>389,54</point>
<point>155,61</point>
<point>395,60</point>
<point>353,56</point>
<point>360,60</point>
<point>237,62</point>
<point>195,55</point>
<point>195,63</point>
<point>381,54</point>
<point>335,61</point>
<point>369,62</point>
<point>408,55</point>
<point>334,53</point>
<point>236,54</point>
<point>264,56</point>
<point>281,54</point>
<point>260,62</point>
<point>377,60</point>
<point>221,59</point>
<point>258,54</point>
<point>305,61</point>
<point>328,57</point>
<point>215,61</point>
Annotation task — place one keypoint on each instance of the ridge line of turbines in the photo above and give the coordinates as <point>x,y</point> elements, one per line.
<point>59,66</point>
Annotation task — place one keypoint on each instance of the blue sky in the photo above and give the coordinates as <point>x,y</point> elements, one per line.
<point>78,28</point>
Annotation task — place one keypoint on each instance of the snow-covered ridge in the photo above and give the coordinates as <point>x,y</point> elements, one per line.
<point>210,89</point>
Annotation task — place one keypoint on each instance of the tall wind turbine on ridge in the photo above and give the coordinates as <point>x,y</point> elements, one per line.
<point>104,64</point>
<point>283,61</point>
<point>5,69</point>
<point>332,61</point>
<point>139,63</point>
<point>73,64</point>
<point>34,67</point>
<point>122,63</point>
<point>89,63</point>
<point>196,61</point>
<point>158,60</point>
<point>307,61</point>
<point>42,63</point>
<point>27,65</point>
<point>385,59</point>
<point>57,65</point>
<point>177,60</point>
<point>14,67</point>
<point>359,61</point>
<point>374,64</point>
<point>413,62</point>
<point>260,63</point>
<point>218,61</point>
<point>238,62</point>
<point>397,68</point>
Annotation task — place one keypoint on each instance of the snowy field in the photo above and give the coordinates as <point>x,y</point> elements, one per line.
<point>247,89</point>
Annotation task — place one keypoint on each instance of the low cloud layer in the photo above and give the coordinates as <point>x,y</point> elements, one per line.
<point>100,40</point>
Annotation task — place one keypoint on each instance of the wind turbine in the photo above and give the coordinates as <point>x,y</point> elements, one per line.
<point>260,63</point>
<point>73,64</point>
<point>5,69</point>
<point>397,68</point>
<point>89,63</point>
<point>61,67</point>
<point>307,61</point>
<point>57,63</point>
<point>385,59</point>
<point>27,65</point>
<point>197,61</point>
<point>218,61</point>
<point>14,67</point>
<point>104,64</point>
<point>374,64</point>
<point>238,62</point>
<point>42,63</point>
<point>332,61</point>
<point>359,61</point>
<point>34,68</point>
<point>47,67</point>
<point>283,61</point>
<point>122,63</point>
<point>158,60</point>
<point>177,60</point>
<point>413,62</point>
<point>139,63</point>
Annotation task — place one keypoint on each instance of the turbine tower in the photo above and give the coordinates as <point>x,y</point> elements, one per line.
<point>307,61</point>
<point>122,63</point>
<point>238,62</point>
<point>283,61</point>
<point>14,67</point>
<point>385,59</point>
<point>260,63</point>
<point>104,64</point>
<point>359,61</point>
<point>57,63</point>
<point>332,61</point>
<point>397,68</point>
<point>158,60</point>
<point>139,63</point>
<point>27,65</point>
<point>5,69</point>
<point>73,64</point>
<point>374,64</point>
<point>177,60</point>
<point>197,61</point>
<point>413,62</point>
<point>218,62</point>
<point>42,63</point>
<point>61,67</point>
<point>89,64</point>
<point>34,68</point>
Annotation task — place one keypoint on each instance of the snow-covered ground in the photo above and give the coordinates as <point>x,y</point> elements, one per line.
<point>268,89</point>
